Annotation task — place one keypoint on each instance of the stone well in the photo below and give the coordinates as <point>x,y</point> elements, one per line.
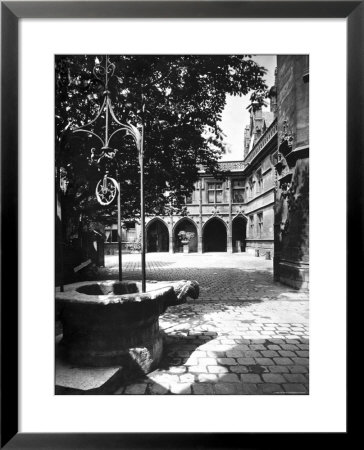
<point>113,323</point>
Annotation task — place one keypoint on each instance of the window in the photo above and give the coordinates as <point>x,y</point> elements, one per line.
<point>130,232</point>
<point>260,224</point>
<point>214,192</point>
<point>238,191</point>
<point>251,224</point>
<point>259,181</point>
<point>111,235</point>
<point>188,199</point>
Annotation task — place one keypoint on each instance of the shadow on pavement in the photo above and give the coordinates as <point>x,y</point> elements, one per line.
<point>254,367</point>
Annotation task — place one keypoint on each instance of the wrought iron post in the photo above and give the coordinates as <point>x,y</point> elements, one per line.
<point>105,191</point>
<point>142,206</point>
<point>59,238</point>
<point>119,233</point>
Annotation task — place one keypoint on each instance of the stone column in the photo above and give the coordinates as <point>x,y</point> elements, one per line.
<point>230,223</point>
<point>199,240</point>
<point>171,238</point>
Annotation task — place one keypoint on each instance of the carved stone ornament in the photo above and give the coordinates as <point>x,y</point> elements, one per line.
<point>215,211</point>
<point>281,164</point>
<point>286,141</point>
<point>285,185</point>
<point>284,227</point>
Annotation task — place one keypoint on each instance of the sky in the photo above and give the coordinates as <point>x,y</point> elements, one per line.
<point>235,115</point>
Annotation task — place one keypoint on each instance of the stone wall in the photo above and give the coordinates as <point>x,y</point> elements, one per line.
<point>291,234</point>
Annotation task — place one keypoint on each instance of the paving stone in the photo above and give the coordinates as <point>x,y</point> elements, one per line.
<point>289,347</point>
<point>282,361</point>
<point>227,361</point>
<point>238,369</point>
<point>217,369</point>
<point>274,347</point>
<point>250,378</point>
<point>269,353</point>
<point>298,369</point>
<point>286,353</point>
<point>246,361</point>
<point>199,354</point>
<point>229,377</point>
<point>295,378</point>
<point>216,354</point>
<point>235,353</point>
<point>177,369</point>
<point>136,389</point>
<point>207,361</point>
<point>278,369</point>
<point>251,354</point>
<point>225,388</point>
<point>301,361</point>
<point>257,347</point>
<point>157,389</point>
<point>180,388</point>
<point>264,361</point>
<point>273,378</point>
<point>197,369</point>
<point>257,368</point>
<point>302,353</point>
<point>163,377</point>
<point>247,389</point>
<point>203,389</point>
<point>270,388</point>
<point>207,377</point>
<point>187,378</point>
<point>295,388</point>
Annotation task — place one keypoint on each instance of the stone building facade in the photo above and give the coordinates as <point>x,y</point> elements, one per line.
<point>231,213</point>
<point>214,214</point>
<point>291,236</point>
<point>259,175</point>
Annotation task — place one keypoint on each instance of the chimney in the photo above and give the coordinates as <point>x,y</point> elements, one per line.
<point>258,122</point>
<point>246,140</point>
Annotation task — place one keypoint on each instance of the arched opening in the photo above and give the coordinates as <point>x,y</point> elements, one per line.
<point>188,226</point>
<point>214,236</point>
<point>239,234</point>
<point>157,237</point>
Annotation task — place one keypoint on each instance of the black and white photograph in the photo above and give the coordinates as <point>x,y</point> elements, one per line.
<point>181,224</point>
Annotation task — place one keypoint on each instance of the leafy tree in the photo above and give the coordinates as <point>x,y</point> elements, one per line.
<point>179,100</point>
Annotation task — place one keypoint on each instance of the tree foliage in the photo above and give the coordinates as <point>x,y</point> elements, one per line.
<point>179,100</point>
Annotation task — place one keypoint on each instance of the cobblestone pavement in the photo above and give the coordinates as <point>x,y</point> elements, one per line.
<point>245,334</point>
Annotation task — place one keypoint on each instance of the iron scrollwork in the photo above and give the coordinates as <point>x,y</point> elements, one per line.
<point>106,190</point>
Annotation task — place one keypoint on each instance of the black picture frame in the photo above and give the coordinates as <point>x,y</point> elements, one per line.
<point>11,12</point>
